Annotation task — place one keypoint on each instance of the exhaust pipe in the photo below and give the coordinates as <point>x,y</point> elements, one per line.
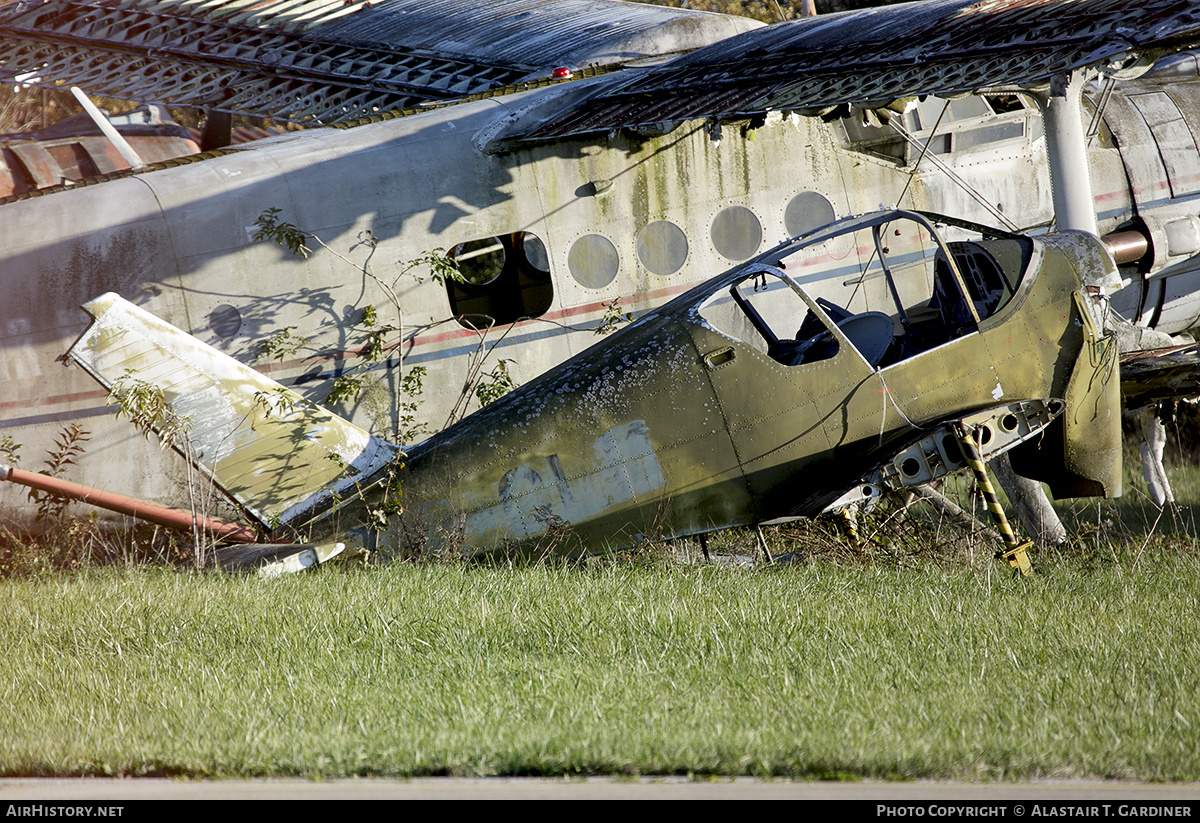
<point>1127,246</point>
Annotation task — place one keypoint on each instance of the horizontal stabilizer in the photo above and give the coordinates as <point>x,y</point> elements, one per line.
<point>268,448</point>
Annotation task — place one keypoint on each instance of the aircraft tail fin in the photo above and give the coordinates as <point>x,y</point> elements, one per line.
<point>274,452</point>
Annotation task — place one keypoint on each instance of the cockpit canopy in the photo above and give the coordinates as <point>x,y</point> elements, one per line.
<point>905,287</point>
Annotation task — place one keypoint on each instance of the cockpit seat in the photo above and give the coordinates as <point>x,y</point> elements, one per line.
<point>871,333</point>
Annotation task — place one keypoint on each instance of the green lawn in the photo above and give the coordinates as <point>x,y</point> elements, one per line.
<point>819,669</point>
<point>917,655</point>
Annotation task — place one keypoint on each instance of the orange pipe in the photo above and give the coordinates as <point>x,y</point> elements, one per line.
<point>141,509</point>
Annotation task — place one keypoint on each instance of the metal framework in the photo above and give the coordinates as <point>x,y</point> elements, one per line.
<point>874,56</point>
<point>164,52</point>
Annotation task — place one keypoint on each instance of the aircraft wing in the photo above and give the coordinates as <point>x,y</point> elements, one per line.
<point>872,57</point>
<point>1160,375</point>
<point>268,448</point>
<point>328,61</point>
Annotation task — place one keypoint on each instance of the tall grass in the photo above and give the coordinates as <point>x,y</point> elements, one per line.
<point>915,654</point>
<point>812,670</point>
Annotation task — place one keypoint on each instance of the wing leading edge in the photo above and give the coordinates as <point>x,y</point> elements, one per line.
<point>875,56</point>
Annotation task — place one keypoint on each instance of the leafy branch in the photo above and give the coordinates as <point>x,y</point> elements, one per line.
<point>10,449</point>
<point>495,384</point>
<point>614,316</point>
<point>278,402</point>
<point>68,445</point>
<point>148,410</point>
<point>395,411</point>
<point>286,235</point>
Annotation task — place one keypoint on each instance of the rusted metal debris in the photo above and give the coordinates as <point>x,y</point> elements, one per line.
<point>1161,375</point>
<point>139,509</point>
<point>74,150</point>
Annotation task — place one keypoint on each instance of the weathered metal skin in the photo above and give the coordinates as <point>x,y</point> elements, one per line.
<point>263,445</point>
<point>870,57</point>
<point>707,413</point>
<point>673,427</point>
<point>427,187</point>
<point>177,241</point>
<point>329,62</point>
<point>600,442</point>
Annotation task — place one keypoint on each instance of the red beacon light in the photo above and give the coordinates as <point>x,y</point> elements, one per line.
<point>560,73</point>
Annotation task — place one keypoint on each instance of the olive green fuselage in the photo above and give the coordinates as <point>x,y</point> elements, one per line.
<point>671,427</point>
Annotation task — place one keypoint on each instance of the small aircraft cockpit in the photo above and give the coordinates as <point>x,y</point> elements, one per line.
<point>910,290</point>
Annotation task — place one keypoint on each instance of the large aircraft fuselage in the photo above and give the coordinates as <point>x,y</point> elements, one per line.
<point>556,233</point>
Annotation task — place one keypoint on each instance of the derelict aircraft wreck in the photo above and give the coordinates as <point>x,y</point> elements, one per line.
<point>436,124</point>
<point>770,469</point>
<point>742,401</point>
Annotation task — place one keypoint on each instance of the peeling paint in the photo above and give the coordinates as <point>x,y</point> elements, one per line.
<point>537,494</point>
<point>274,453</point>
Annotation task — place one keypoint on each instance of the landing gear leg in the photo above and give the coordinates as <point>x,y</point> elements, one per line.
<point>1028,497</point>
<point>1154,436</point>
<point>850,531</point>
<point>1015,552</point>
